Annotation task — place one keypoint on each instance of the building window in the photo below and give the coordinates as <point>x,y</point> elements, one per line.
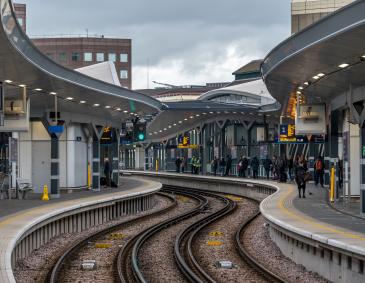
<point>75,56</point>
<point>112,57</point>
<point>124,58</point>
<point>20,21</point>
<point>124,74</point>
<point>62,56</point>
<point>99,57</point>
<point>88,56</point>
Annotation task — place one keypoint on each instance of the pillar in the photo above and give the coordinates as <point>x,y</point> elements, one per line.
<point>96,163</point>
<point>55,167</point>
<point>362,164</point>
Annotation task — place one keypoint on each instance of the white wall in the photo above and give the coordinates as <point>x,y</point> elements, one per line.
<point>355,159</point>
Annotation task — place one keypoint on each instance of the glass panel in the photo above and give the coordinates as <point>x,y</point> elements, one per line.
<point>112,57</point>
<point>124,74</point>
<point>75,56</point>
<point>124,58</point>
<point>99,57</point>
<point>88,56</point>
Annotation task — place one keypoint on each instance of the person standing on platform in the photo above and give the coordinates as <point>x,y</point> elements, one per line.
<point>192,164</point>
<point>107,172</point>
<point>318,171</point>
<point>290,167</point>
<point>267,166</point>
<point>222,165</point>
<point>214,165</point>
<point>182,164</point>
<point>255,164</point>
<point>228,166</point>
<point>275,167</point>
<point>178,164</point>
<point>197,166</point>
<point>244,166</point>
<point>301,175</point>
<point>240,167</point>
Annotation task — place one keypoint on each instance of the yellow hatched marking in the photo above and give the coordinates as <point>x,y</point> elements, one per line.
<point>216,234</point>
<point>214,243</point>
<point>103,245</point>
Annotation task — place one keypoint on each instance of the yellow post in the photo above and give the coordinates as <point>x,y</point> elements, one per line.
<point>156,165</point>
<point>89,176</point>
<point>332,189</point>
<point>45,196</point>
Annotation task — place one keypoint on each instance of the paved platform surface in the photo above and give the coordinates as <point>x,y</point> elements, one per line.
<point>315,205</point>
<point>11,206</point>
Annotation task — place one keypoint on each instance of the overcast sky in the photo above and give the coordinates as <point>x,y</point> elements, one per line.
<point>184,41</point>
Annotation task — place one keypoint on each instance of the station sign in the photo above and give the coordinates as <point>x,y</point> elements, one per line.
<point>183,141</point>
<point>55,129</point>
<point>190,146</point>
<point>287,133</point>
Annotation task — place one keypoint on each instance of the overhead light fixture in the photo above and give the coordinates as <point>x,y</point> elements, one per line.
<point>197,115</point>
<point>363,56</point>
<point>316,77</point>
<point>118,109</point>
<point>180,122</point>
<point>218,112</point>
<point>107,107</point>
<point>82,101</point>
<point>174,124</point>
<point>185,119</point>
<point>165,129</point>
<point>125,111</point>
<point>155,133</point>
<point>234,112</point>
<point>204,113</point>
<point>22,85</point>
<point>299,92</point>
<point>8,81</point>
<point>191,117</point>
<point>321,75</point>
<point>343,65</point>
<point>69,98</point>
<point>53,93</point>
<point>150,134</point>
<point>38,89</point>
<point>96,105</point>
<point>211,112</point>
<point>300,87</point>
<point>160,131</point>
<point>306,83</point>
<point>170,127</point>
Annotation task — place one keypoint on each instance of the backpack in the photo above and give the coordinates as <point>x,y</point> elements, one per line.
<point>319,165</point>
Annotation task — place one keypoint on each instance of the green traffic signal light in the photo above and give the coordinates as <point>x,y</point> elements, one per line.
<point>141,137</point>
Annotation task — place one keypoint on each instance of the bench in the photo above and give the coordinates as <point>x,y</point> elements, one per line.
<point>24,186</point>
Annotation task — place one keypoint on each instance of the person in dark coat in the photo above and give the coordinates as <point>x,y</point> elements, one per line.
<point>244,166</point>
<point>301,170</point>
<point>290,167</point>
<point>255,164</point>
<point>222,166</point>
<point>267,166</point>
<point>107,172</point>
<point>228,166</point>
<point>178,164</point>
<point>214,165</point>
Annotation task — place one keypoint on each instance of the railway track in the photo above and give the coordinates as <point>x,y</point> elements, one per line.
<point>54,274</point>
<point>126,264</point>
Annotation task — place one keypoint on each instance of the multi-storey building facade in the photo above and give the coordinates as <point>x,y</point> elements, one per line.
<point>81,51</point>
<point>306,12</point>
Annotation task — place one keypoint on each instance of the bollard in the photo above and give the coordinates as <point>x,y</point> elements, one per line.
<point>45,196</point>
<point>332,191</point>
<point>89,176</point>
<point>156,165</point>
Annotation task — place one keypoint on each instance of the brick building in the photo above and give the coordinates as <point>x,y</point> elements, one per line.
<point>76,52</point>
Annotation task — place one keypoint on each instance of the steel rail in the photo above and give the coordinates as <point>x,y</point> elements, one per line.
<point>255,264</point>
<point>203,203</point>
<point>54,274</point>
<point>183,250</point>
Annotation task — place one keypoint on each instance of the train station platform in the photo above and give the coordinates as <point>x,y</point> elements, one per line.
<point>33,200</point>
<point>308,230</point>
<point>26,225</point>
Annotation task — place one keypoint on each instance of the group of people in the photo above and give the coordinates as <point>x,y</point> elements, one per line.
<point>281,168</point>
<point>180,164</point>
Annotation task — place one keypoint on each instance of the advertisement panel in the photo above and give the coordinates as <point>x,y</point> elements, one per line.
<point>311,119</point>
